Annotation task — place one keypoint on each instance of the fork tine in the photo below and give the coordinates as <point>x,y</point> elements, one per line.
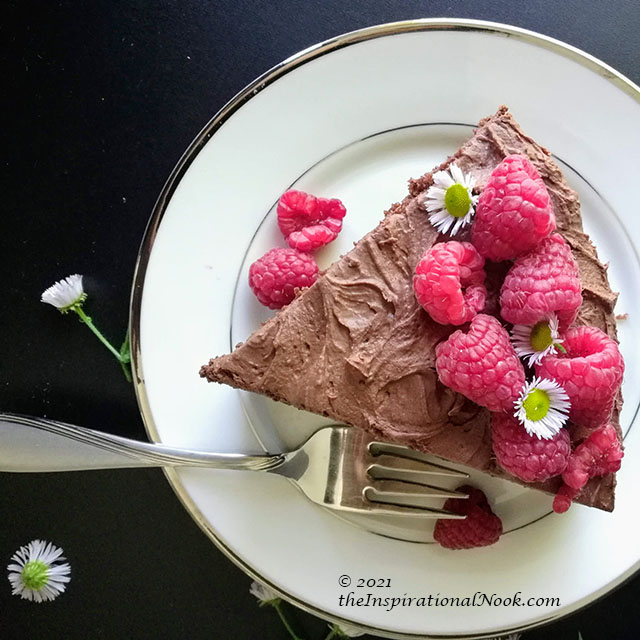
<point>381,503</point>
<point>408,484</point>
<point>402,458</point>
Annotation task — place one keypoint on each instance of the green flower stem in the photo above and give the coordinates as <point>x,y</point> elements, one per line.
<point>277,605</point>
<point>87,320</point>
<point>333,633</point>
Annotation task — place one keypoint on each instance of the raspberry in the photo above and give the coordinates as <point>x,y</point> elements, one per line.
<point>527,457</point>
<point>542,282</point>
<point>307,222</point>
<point>481,364</point>
<point>598,455</point>
<point>277,276</point>
<point>563,499</point>
<point>590,372</point>
<point>448,282</point>
<point>480,528</point>
<point>514,211</point>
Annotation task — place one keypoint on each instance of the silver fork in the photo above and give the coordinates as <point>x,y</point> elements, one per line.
<point>338,467</point>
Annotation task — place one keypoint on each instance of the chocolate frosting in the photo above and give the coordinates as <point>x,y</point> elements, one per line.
<point>356,346</point>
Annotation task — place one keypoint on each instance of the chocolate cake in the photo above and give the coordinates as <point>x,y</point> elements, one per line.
<point>357,347</point>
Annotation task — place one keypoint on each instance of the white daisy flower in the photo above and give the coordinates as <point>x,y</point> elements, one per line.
<point>543,408</point>
<point>37,572</point>
<point>65,294</point>
<point>345,630</point>
<point>264,594</point>
<point>450,201</point>
<point>537,341</point>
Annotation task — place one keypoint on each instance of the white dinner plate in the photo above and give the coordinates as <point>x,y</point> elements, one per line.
<point>354,118</point>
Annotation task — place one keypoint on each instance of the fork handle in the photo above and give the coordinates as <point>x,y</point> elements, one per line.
<point>29,444</point>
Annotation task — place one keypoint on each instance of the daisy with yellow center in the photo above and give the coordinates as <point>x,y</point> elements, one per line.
<point>450,202</point>
<point>535,342</point>
<point>38,572</point>
<point>543,408</point>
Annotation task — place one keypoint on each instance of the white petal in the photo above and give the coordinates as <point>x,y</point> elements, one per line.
<point>434,205</point>
<point>456,174</point>
<point>469,182</point>
<point>441,220</point>
<point>443,179</point>
<point>64,294</point>
<point>436,193</point>
<point>262,592</point>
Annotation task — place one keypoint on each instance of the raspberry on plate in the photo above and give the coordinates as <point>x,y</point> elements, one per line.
<point>514,211</point>
<point>480,528</point>
<point>598,455</point>
<point>277,276</point>
<point>542,282</point>
<point>481,364</point>
<point>527,457</point>
<point>307,222</point>
<point>590,372</point>
<point>448,282</point>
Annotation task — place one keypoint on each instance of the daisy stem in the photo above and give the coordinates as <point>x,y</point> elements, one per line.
<point>333,633</point>
<point>87,320</point>
<point>278,607</point>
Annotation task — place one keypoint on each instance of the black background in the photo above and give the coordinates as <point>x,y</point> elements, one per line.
<point>100,100</point>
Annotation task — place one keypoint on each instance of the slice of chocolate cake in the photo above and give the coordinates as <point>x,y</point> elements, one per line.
<point>357,347</point>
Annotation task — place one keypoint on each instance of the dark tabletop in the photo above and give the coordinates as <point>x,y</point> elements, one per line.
<point>101,99</point>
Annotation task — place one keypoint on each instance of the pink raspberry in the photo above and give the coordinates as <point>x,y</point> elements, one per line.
<point>600,454</point>
<point>307,222</point>
<point>277,276</point>
<point>448,282</point>
<point>481,364</point>
<point>527,457</point>
<point>563,498</point>
<point>542,282</point>
<point>480,528</point>
<point>514,211</point>
<point>590,372</point>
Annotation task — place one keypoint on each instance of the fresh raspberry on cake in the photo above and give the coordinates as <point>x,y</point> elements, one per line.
<point>481,364</point>
<point>542,282</point>
<point>448,282</point>
<point>307,222</point>
<point>514,211</point>
<point>527,457</point>
<point>480,528</point>
<point>590,372</point>
<point>279,274</point>
<point>600,454</point>
<point>563,498</point>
